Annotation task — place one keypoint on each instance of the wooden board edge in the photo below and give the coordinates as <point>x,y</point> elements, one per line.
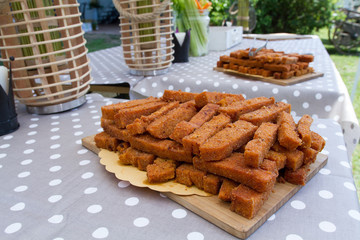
<point>89,143</point>
<point>282,82</point>
<point>239,230</point>
<point>314,169</point>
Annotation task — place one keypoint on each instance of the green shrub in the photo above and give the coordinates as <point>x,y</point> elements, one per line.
<point>219,11</point>
<point>292,16</point>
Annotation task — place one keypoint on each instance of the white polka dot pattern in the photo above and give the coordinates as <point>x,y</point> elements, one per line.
<point>141,222</point>
<point>327,226</point>
<point>56,219</point>
<point>48,174</point>
<point>100,233</point>
<point>12,228</point>
<point>179,213</point>
<point>132,201</point>
<point>299,205</point>
<point>94,208</point>
<point>195,236</point>
<point>293,237</point>
<point>326,96</point>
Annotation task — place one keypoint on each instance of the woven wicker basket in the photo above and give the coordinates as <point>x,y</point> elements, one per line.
<point>146,35</point>
<point>45,37</point>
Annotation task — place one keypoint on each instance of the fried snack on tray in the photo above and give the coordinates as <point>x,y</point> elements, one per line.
<point>122,146</point>
<point>188,175</point>
<point>140,124</point>
<point>297,177</point>
<point>235,109</point>
<point>136,158</point>
<point>185,128</point>
<point>234,168</point>
<point>221,143</point>
<point>211,183</point>
<point>317,142</point>
<point>303,128</point>
<point>267,63</point>
<point>294,158</point>
<point>309,155</point>
<point>180,96</point>
<point>126,116</point>
<point>256,149</point>
<point>163,126</point>
<point>109,111</point>
<point>161,170</point>
<point>104,140</point>
<point>247,202</point>
<point>278,158</point>
<point>225,190</point>
<point>214,97</point>
<point>114,131</point>
<point>288,135</point>
<point>193,141</point>
<point>161,147</point>
<point>183,174</point>
<point>266,113</point>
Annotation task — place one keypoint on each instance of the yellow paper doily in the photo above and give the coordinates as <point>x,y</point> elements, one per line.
<point>138,178</point>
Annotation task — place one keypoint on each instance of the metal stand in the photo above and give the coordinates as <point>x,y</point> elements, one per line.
<point>148,72</point>
<point>42,110</point>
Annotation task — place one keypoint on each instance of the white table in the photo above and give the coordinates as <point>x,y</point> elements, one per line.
<point>324,97</point>
<point>54,188</point>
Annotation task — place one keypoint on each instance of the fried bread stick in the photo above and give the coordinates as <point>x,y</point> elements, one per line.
<point>225,190</point>
<point>162,170</point>
<point>126,116</point>
<point>235,109</point>
<point>114,131</point>
<point>247,202</point>
<point>303,128</point>
<point>223,143</point>
<point>317,142</point>
<point>256,149</point>
<point>163,126</point>
<point>161,147</point>
<point>184,128</point>
<point>213,97</point>
<point>104,140</point>
<point>234,168</point>
<point>266,114</point>
<point>136,158</point>
<point>109,111</point>
<point>287,135</point>
<point>140,124</point>
<point>180,96</point>
<point>192,142</point>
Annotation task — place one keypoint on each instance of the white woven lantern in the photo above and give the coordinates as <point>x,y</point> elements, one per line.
<point>146,33</point>
<point>51,67</point>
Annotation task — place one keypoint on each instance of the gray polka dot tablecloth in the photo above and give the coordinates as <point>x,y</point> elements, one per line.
<point>108,67</point>
<point>51,187</point>
<point>324,97</point>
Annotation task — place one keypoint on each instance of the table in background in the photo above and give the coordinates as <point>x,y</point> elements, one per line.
<point>110,73</point>
<point>54,188</point>
<point>323,97</point>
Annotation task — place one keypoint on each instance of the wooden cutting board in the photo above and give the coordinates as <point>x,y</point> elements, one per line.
<point>218,212</point>
<point>282,82</point>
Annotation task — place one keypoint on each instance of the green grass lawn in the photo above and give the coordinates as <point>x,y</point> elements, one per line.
<point>97,41</point>
<point>346,65</point>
